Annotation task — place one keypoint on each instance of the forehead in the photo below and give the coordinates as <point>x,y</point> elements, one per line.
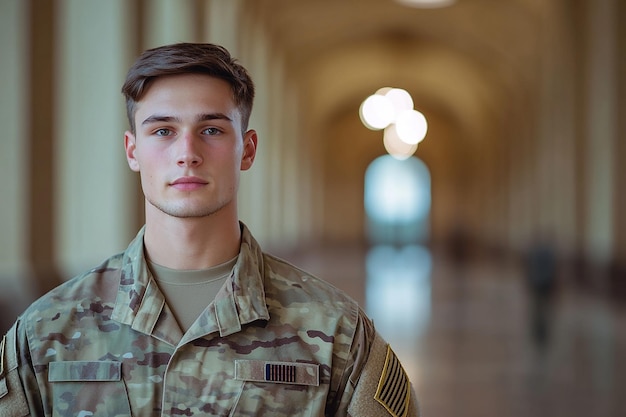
<point>185,93</point>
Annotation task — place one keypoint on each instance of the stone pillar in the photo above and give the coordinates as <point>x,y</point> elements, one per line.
<point>14,160</point>
<point>295,166</point>
<point>170,21</point>
<point>254,198</point>
<point>222,24</point>
<point>618,276</point>
<point>556,145</point>
<point>95,193</point>
<point>600,143</point>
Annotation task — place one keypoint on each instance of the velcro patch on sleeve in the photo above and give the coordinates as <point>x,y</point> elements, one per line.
<point>394,388</point>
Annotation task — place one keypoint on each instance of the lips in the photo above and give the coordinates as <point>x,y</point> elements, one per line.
<point>188,183</point>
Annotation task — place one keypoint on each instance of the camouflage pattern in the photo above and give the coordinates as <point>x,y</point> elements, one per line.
<point>106,344</point>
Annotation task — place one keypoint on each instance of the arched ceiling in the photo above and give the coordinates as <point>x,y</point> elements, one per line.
<point>472,68</point>
<point>466,59</point>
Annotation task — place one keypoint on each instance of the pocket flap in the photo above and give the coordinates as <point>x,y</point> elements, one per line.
<point>84,371</point>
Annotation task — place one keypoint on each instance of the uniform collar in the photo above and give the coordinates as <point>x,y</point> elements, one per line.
<point>141,305</point>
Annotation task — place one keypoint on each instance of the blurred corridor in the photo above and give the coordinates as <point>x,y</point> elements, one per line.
<point>465,334</point>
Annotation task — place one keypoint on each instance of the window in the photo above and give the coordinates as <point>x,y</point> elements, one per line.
<point>397,201</point>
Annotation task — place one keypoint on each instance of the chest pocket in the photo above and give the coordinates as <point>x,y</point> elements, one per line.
<point>278,389</point>
<point>88,388</point>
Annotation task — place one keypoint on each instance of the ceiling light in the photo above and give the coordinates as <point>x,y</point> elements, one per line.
<point>426,4</point>
<point>377,112</point>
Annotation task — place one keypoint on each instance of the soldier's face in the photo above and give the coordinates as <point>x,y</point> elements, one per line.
<point>189,148</point>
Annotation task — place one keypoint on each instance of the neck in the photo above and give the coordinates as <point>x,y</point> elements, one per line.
<point>191,243</point>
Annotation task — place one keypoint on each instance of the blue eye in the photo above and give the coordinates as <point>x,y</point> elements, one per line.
<point>163,132</point>
<point>211,131</point>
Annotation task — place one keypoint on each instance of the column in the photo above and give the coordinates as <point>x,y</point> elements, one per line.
<point>170,21</point>
<point>14,161</point>
<point>618,159</point>
<point>618,281</point>
<point>223,25</point>
<point>41,146</point>
<point>294,167</point>
<point>556,144</point>
<point>254,200</point>
<point>96,192</point>
<point>601,129</point>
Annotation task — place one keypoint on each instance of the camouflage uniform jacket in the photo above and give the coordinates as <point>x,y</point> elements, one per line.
<point>276,341</point>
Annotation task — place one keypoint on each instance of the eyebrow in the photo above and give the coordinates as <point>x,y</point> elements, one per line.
<point>156,118</point>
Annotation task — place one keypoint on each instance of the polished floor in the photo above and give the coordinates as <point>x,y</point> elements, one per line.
<point>474,340</point>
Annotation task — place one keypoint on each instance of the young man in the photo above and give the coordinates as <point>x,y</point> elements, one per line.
<point>193,318</point>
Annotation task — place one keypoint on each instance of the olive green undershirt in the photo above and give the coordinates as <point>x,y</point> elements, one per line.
<point>189,292</point>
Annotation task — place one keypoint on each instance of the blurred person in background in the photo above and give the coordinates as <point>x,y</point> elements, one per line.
<point>194,318</point>
<point>541,269</point>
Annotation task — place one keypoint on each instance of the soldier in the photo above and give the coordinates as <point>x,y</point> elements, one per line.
<point>193,318</point>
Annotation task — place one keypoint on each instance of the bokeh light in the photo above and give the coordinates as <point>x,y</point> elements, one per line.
<point>395,146</point>
<point>401,100</point>
<point>392,109</point>
<point>411,126</point>
<point>377,112</point>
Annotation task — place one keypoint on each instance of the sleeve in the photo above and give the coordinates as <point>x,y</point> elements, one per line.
<point>14,372</point>
<point>383,388</point>
<point>377,385</point>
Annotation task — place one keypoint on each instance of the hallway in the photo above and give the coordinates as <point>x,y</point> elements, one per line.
<point>464,336</point>
<point>525,140</point>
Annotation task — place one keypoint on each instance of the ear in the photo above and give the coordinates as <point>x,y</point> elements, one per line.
<point>249,149</point>
<point>131,147</point>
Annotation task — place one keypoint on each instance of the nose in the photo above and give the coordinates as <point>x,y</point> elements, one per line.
<point>189,154</point>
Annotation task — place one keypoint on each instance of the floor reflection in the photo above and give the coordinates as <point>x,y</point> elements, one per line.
<point>465,333</point>
<point>398,297</point>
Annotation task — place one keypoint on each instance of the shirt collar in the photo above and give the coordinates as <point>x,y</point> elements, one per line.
<point>141,305</point>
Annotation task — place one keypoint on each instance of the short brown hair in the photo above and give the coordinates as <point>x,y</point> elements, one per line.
<point>188,58</point>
